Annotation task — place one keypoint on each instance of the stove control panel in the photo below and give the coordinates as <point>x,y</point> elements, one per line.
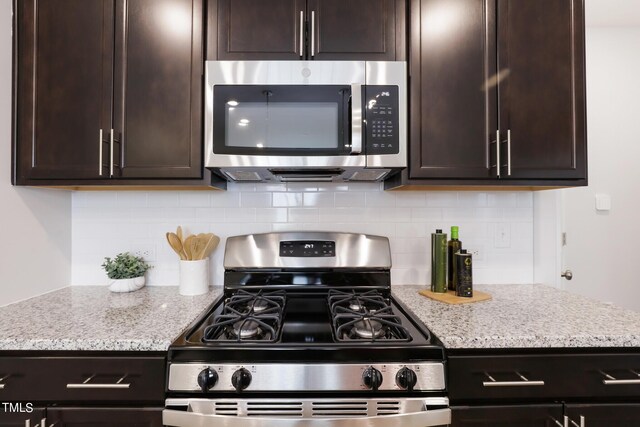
<point>307,248</point>
<point>190,377</point>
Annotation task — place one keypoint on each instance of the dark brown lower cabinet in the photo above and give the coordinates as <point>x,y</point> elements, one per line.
<point>604,415</point>
<point>89,417</point>
<point>507,416</point>
<point>13,416</point>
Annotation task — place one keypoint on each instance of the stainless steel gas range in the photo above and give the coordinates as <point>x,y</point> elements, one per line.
<point>307,333</point>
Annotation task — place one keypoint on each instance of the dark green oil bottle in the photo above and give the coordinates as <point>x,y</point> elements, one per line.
<point>453,246</point>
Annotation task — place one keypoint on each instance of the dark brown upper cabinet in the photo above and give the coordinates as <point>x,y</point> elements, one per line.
<point>497,92</point>
<point>306,29</point>
<point>108,90</point>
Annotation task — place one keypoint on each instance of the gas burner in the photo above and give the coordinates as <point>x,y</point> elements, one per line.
<point>246,329</point>
<point>366,316</point>
<point>355,305</point>
<point>368,329</point>
<point>248,317</point>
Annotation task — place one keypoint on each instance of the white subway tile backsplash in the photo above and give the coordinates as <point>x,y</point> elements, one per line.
<point>287,199</point>
<point>350,199</point>
<point>303,215</point>
<point>105,223</point>
<point>411,200</point>
<point>132,199</point>
<point>255,200</point>
<point>321,200</point>
<point>193,199</point>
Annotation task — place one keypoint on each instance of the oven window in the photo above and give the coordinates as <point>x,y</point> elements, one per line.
<point>283,120</point>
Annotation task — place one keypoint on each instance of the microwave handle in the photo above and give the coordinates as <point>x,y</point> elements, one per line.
<point>356,118</point>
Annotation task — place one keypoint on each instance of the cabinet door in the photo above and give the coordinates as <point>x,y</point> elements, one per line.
<point>542,99</point>
<point>11,416</point>
<point>258,30</point>
<point>507,416</point>
<point>89,417</point>
<point>453,102</point>
<point>614,415</point>
<point>354,29</point>
<point>64,90</point>
<point>158,88</point>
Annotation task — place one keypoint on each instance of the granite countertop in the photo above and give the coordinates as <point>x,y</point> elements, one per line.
<point>525,316</point>
<point>93,318</point>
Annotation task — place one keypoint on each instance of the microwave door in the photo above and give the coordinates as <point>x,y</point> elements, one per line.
<point>287,120</point>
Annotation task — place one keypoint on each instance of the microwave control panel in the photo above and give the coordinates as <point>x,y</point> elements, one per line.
<point>382,119</point>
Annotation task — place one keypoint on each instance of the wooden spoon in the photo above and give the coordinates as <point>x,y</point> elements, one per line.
<point>176,244</point>
<point>197,245</point>
<point>179,233</point>
<point>186,246</point>
<point>212,244</point>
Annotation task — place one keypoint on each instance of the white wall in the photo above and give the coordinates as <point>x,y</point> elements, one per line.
<point>36,224</point>
<point>602,246</point>
<point>105,223</point>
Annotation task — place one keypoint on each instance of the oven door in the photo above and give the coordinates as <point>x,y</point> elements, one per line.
<point>386,412</point>
<point>284,114</point>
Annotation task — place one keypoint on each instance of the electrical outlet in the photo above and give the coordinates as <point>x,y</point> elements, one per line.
<point>146,251</point>
<point>503,235</point>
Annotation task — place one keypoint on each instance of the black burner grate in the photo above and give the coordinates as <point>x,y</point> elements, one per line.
<point>365,317</point>
<point>248,317</point>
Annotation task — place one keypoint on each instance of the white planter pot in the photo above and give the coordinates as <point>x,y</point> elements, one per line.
<point>126,285</point>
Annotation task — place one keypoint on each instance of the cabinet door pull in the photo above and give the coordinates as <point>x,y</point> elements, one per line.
<point>301,34</point>
<point>524,383</point>
<point>611,380</point>
<point>88,385</point>
<point>313,33</point>
<point>509,152</point>
<point>100,155</point>
<point>582,422</point>
<point>565,422</point>
<point>498,153</point>
<point>111,154</point>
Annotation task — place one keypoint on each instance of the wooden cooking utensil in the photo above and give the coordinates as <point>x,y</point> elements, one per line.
<point>179,234</point>
<point>212,244</point>
<point>186,246</point>
<point>176,244</point>
<point>197,245</point>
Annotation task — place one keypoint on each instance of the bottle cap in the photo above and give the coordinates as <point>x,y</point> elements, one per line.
<point>463,251</point>
<point>438,231</point>
<point>454,232</point>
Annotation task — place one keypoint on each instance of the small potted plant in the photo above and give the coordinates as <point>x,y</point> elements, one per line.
<point>126,272</point>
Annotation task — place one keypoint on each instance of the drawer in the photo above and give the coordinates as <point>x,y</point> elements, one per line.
<point>76,379</point>
<point>562,376</point>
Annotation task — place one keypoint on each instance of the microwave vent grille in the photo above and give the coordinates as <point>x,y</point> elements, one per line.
<point>369,175</point>
<point>246,176</point>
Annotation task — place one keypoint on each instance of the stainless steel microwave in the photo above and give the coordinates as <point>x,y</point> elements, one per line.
<point>287,121</point>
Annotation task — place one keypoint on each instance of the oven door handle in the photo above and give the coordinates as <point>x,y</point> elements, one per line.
<point>177,418</point>
<point>356,118</point>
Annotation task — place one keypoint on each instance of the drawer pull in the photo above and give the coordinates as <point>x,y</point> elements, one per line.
<point>610,380</point>
<point>86,384</point>
<point>524,383</point>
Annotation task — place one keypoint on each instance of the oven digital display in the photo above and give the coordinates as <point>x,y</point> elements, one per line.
<point>308,248</point>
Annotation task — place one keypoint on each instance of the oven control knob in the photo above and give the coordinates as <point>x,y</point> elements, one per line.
<point>372,378</point>
<point>241,379</point>
<point>406,379</point>
<point>207,378</point>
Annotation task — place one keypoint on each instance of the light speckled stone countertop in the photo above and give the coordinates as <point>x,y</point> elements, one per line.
<point>525,316</point>
<point>92,318</point>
